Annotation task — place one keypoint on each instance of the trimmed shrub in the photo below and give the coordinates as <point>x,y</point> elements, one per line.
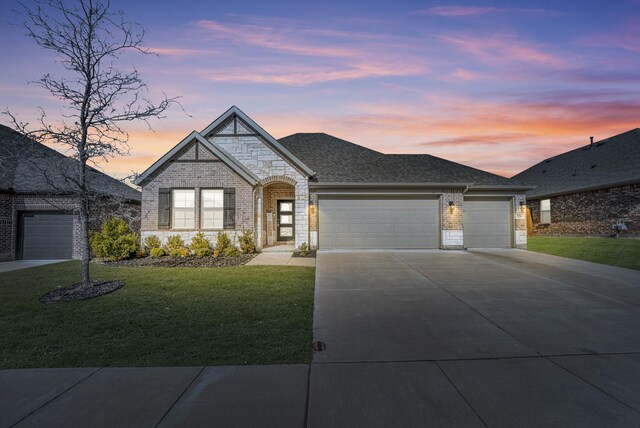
<point>179,252</point>
<point>222,242</point>
<point>157,252</point>
<point>216,253</point>
<point>151,242</point>
<point>231,252</point>
<point>303,248</point>
<point>200,246</point>
<point>174,243</point>
<point>115,240</point>
<point>247,245</point>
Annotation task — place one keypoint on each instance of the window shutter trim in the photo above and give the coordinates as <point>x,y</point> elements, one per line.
<point>229,221</point>
<point>164,208</point>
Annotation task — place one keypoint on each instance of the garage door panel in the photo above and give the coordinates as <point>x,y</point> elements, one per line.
<point>487,223</point>
<point>379,223</point>
<point>46,235</point>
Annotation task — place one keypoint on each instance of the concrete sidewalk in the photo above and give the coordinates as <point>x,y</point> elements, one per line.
<point>281,259</point>
<point>239,396</point>
<point>24,264</point>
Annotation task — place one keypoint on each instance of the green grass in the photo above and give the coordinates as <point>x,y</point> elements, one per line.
<point>161,317</point>
<point>619,252</point>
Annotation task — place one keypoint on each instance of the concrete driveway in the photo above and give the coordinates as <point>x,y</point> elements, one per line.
<point>497,338</point>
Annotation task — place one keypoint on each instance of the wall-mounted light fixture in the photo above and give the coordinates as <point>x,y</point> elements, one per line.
<point>312,208</point>
<point>522,203</point>
<point>452,206</point>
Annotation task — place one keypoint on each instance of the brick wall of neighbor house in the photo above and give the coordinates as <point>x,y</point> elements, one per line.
<point>260,159</point>
<point>452,229</point>
<point>591,213</point>
<point>6,203</point>
<point>270,194</point>
<point>195,175</point>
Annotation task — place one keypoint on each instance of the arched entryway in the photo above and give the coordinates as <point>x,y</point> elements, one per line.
<point>278,213</point>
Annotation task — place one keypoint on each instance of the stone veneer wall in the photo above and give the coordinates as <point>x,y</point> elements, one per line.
<point>260,159</point>
<point>270,194</point>
<point>195,175</point>
<point>452,228</point>
<point>520,219</point>
<point>313,219</point>
<point>591,213</point>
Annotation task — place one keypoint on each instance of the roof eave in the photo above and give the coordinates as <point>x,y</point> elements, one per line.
<point>587,188</point>
<point>361,184</point>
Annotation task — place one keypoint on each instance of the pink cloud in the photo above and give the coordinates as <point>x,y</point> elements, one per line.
<point>465,11</point>
<point>502,48</point>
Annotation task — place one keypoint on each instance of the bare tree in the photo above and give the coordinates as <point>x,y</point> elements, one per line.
<point>98,97</point>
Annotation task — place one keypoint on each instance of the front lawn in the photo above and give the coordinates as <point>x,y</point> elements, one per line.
<point>619,252</point>
<point>161,317</point>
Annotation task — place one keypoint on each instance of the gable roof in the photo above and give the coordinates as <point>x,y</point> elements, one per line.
<point>27,166</point>
<point>271,142</point>
<point>222,154</point>
<point>339,161</point>
<point>606,163</point>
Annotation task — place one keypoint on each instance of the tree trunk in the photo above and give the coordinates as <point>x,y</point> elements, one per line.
<point>85,246</point>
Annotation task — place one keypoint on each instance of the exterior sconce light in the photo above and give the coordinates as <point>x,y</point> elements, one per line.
<point>522,203</point>
<point>452,206</point>
<point>312,208</point>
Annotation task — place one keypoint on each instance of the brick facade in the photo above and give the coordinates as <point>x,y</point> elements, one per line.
<point>205,174</point>
<point>591,213</point>
<point>11,205</point>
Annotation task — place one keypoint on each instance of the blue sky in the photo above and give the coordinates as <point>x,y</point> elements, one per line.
<point>496,85</point>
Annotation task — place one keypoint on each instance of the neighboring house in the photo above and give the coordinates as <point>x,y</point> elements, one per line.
<point>588,190</point>
<point>38,211</point>
<point>324,191</point>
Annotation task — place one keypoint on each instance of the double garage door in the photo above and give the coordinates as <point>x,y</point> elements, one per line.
<point>46,235</point>
<point>384,223</point>
<point>378,223</point>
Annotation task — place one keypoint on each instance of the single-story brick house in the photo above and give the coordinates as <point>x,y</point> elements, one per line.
<point>38,209</point>
<point>325,192</point>
<point>588,190</point>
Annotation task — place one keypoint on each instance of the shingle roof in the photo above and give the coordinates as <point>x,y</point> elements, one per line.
<point>608,162</point>
<point>337,160</point>
<point>30,167</point>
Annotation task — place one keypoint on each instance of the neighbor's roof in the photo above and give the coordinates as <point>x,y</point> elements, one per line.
<point>339,161</point>
<point>27,166</point>
<point>606,163</point>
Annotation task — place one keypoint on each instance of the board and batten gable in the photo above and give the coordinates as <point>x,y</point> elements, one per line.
<point>247,146</point>
<point>195,167</point>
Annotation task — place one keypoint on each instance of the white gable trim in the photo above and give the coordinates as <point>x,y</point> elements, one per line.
<point>271,142</point>
<point>225,157</point>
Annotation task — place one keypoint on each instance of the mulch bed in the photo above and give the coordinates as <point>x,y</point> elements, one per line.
<point>190,262</point>
<point>309,254</point>
<point>78,292</point>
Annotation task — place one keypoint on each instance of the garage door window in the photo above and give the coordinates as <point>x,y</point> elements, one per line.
<point>545,211</point>
<point>184,209</point>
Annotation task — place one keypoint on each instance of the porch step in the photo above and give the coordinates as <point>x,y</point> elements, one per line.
<point>279,249</point>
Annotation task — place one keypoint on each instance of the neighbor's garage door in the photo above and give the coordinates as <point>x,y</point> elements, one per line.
<point>378,223</point>
<point>46,235</point>
<point>487,223</point>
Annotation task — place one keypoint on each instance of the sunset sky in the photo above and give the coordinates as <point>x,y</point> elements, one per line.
<point>496,85</point>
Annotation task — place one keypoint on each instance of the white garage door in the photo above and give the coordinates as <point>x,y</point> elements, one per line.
<point>378,223</point>
<point>487,224</point>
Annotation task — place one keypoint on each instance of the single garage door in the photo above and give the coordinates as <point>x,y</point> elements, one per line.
<point>378,223</point>
<point>487,223</point>
<point>46,235</point>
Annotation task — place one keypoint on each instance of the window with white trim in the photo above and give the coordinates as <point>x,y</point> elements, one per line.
<point>545,211</point>
<point>211,209</point>
<point>183,215</point>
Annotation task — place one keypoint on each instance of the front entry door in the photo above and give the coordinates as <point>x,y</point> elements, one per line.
<point>285,220</point>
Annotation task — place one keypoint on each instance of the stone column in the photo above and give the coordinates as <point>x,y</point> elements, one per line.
<point>520,221</point>
<point>452,229</point>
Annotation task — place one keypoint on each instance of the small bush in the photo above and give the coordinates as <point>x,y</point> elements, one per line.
<point>157,252</point>
<point>151,242</point>
<point>115,240</point>
<point>174,243</point>
<point>222,242</point>
<point>231,252</point>
<point>247,245</point>
<point>303,248</point>
<point>216,253</point>
<point>179,252</point>
<point>200,246</point>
